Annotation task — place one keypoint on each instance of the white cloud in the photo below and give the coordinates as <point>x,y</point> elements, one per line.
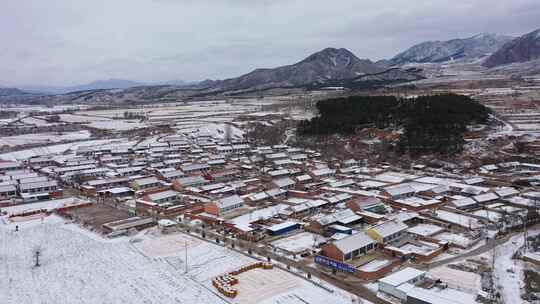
<point>64,42</point>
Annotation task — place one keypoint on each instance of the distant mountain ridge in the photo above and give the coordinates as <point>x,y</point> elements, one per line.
<point>328,64</point>
<point>522,49</point>
<point>8,92</point>
<point>99,85</point>
<point>440,51</point>
<point>328,67</point>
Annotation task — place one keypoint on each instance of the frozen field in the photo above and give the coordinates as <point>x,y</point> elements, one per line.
<point>43,138</point>
<point>54,149</point>
<point>80,267</point>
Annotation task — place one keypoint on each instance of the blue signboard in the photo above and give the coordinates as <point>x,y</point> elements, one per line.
<point>324,261</point>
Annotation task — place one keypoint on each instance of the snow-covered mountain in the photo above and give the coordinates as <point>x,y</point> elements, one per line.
<point>440,51</point>
<point>328,64</point>
<point>523,49</point>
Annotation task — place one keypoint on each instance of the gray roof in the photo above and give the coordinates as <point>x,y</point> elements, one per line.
<point>162,195</point>
<point>37,185</point>
<point>229,201</point>
<point>402,276</point>
<point>389,228</point>
<point>284,182</point>
<point>353,242</point>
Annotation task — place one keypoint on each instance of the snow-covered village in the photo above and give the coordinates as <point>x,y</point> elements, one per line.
<point>274,152</point>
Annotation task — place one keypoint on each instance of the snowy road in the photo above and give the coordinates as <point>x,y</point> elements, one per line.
<point>508,273</point>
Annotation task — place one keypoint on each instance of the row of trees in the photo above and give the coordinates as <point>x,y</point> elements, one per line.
<point>429,123</point>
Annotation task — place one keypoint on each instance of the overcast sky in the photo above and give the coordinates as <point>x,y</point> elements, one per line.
<point>67,42</point>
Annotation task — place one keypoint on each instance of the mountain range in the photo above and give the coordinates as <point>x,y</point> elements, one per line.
<point>440,51</point>
<point>328,67</point>
<point>522,49</point>
<point>322,66</point>
<point>97,85</point>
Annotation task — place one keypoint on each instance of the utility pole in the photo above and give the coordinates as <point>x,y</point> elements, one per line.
<point>186,259</point>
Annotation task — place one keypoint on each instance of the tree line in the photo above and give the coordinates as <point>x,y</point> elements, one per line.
<point>433,123</point>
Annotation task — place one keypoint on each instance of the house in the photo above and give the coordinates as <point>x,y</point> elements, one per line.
<point>388,232</point>
<point>322,173</point>
<point>102,184</point>
<point>191,168</point>
<point>10,166</point>
<point>162,197</point>
<point>283,183</point>
<point>282,228</point>
<point>226,175</point>
<point>465,203</point>
<point>304,178</point>
<point>190,181</point>
<point>343,217</point>
<point>277,193</point>
<point>350,162</point>
<point>129,171</point>
<point>486,198</point>
<point>369,203</point>
<point>390,284</point>
<point>506,192</point>
<point>171,175</point>
<point>145,183</point>
<point>7,192</point>
<point>38,187</point>
<point>348,248</point>
<point>258,197</point>
<point>116,192</point>
<point>400,191</point>
<point>224,205</point>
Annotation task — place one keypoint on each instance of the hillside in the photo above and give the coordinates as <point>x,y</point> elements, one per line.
<point>428,123</point>
<point>8,92</point>
<point>441,51</point>
<point>328,64</point>
<point>522,49</point>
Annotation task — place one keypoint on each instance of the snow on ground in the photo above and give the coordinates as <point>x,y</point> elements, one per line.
<point>299,242</point>
<point>374,265</point>
<point>37,122</point>
<point>205,261</point>
<point>78,266</point>
<point>79,269</point>
<point>81,118</point>
<point>507,272</point>
<point>53,149</point>
<point>214,130</point>
<point>43,138</point>
<point>49,205</point>
<point>465,281</point>
<point>118,125</point>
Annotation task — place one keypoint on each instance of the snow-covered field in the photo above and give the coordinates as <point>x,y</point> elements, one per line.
<point>80,267</point>
<point>53,149</point>
<point>43,138</point>
<point>103,123</point>
<point>118,125</point>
